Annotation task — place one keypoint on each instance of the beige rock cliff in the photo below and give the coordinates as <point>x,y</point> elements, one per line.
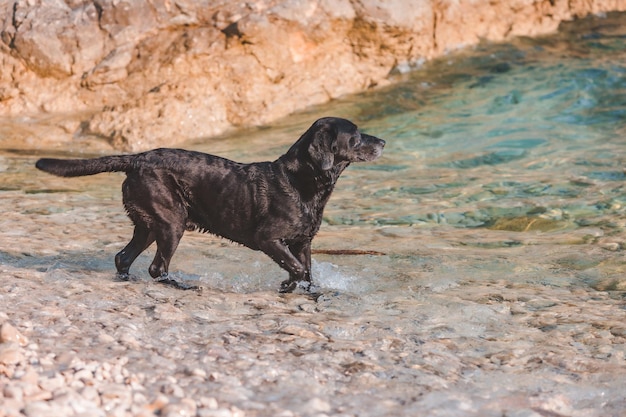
<point>147,73</point>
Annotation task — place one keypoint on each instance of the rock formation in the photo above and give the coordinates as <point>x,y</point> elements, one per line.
<point>147,73</point>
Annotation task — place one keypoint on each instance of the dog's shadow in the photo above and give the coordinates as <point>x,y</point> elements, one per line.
<point>72,266</point>
<point>84,265</point>
<point>76,266</point>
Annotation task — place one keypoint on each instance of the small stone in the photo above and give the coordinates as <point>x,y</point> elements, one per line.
<point>130,341</point>
<point>8,333</point>
<point>115,392</point>
<point>197,372</point>
<point>11,407</point>
<point>236,412</point>
<point>202,316</point>
<point>30,376</point>
<point>84,375</point>
<point>557,405</point>
<point>91,394</point>
<point>308,307</point>
<point>66,358</point>
<point>159,402</point>
<point>610,246</point>
<point>209,403</point>
<point>158,296</point>
<point>33,392</point>
<point>618,331</point>
<point>316,405</point>
<point>117,411</point>
<point>52,383</point>
<point>221,412</point>
<point>301,332</point>
<point>167,312</point>
<point>105,338</point>
<point>190,404</point>
<point>173,389</point>
<point>540,304</point>
<point>185,408</point>
<point>10,353</point>
<point>45,408</point>
<point>142,412</point>
<point>523,413</point>
<point>13,391</point>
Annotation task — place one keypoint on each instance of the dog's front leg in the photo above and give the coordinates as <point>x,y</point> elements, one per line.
<point>302,251</point>
<point>280,253</point>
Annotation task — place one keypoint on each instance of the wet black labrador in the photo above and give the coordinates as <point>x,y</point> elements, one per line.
<point>275,207</point>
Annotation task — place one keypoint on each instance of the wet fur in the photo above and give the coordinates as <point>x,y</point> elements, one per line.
<point>275,207</point>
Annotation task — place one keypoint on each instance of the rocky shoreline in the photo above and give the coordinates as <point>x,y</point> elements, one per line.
<point>136,75</point>
<point>103,348</point>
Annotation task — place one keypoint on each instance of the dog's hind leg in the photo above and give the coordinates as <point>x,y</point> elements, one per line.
<point>142,238</point>
<point>167,238</point>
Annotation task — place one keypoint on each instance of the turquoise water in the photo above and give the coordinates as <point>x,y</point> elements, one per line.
<point>530,128</point>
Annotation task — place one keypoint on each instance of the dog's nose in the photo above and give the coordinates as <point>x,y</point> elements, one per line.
<point>382,142</point>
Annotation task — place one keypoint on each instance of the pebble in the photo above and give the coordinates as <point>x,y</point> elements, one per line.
<point>316,406</point>
<point>197,372</point>
<point>302,332</point>
<point>523,413</point>
<point>105,338</point>
<point>209,403</point>
<point>221,412</point>
<point>10,353</point>
<point>46,408</point>
<point>618,331</point>
<point>185,408</point>
<point>13,391</point>
<point>611,246</point>
<point>203,316</point>
<point>91,393</point>
<point>8,333</point>
<point>167,312</point>
<point>112,392</point>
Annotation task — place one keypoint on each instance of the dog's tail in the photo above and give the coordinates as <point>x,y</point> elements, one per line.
<point>80,167</point>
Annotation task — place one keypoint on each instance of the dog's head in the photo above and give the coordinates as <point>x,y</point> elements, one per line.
<point>334,141</point>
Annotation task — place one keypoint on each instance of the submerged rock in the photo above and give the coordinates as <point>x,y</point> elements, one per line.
<point>144,74</point>
<point>527,224</point>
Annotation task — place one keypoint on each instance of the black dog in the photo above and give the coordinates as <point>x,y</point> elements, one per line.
<point>275,207</point>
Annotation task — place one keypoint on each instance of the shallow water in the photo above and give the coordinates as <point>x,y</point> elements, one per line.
<point>497,214</point>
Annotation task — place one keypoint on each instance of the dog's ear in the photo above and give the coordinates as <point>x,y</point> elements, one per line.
<point>322,147</point>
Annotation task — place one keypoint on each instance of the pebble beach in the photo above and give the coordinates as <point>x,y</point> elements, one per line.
<point>79,343</point>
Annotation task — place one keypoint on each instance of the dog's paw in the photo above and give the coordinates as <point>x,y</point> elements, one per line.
<point>290,286</point>
<point>287,286</point>
<point>122,276</point>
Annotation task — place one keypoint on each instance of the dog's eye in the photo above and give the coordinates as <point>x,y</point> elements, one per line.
<point>334,147</point>
<point>353,142</point>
